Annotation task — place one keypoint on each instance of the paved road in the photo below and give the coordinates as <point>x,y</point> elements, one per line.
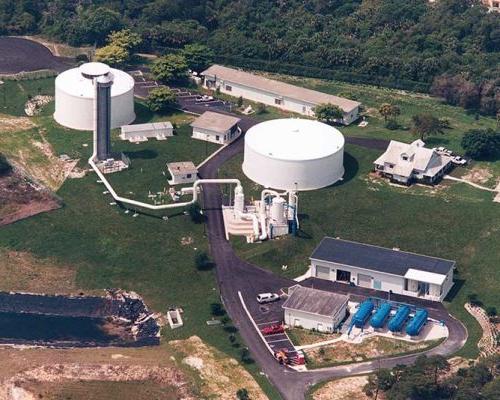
<point>234,274</point>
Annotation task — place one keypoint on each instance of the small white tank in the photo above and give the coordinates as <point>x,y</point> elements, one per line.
<point>239,199</point>
<point>278,210</point>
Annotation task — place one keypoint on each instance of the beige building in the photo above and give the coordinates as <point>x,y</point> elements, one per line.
<point>216,128</point>
<point>407,163</point>
<point>493,5</point>
<point>274,93</point>
<point>182,172</point>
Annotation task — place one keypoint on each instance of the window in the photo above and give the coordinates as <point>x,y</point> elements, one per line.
<point>377,284</point>
<point>217,137</point>
<point>404,157</point>
<point>278,102</point>
<point>188,176</point>
<point>304,109</point>
<point>229,88</point>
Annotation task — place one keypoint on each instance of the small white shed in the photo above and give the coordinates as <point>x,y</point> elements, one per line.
<point>182,172</point>
<point>142,132</point>
<point>314,309</point>
<point>216,128</point>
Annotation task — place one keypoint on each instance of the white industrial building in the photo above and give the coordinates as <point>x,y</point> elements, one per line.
<point>314,309</point>
<point>294,154</point>
<point>142,132</point>
<point>216,128</point>
<point>379,268</point>
<point>275,93</point>
<point>407,163</point>
<point>74,99</point>
<point>182,172</point>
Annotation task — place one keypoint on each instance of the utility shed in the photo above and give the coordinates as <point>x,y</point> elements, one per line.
<point>380,268</point>
<point>182,172</point>
<point>314,309</point>
<point>216,128</point>
<point>142,132</point>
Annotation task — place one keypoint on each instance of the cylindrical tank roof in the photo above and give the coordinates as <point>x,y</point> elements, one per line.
<point>93,69</point>
<point>294,154</point>
<point>294,139</point>
<point>75,84</point>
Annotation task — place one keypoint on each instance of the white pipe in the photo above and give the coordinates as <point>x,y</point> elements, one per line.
<point>264,194</point>
<point>296,209</point>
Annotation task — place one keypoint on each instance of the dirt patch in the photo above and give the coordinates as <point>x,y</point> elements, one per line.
<point>221,376</point>
<point>13,124</point>
<point>21,198</point>
<point>478,175</point>
<point>20,271</point>
<point>341,389</point>
<point>301,337</point>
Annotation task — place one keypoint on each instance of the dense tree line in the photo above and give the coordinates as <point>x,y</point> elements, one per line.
<point>430,378</point>
<point>397,42</point>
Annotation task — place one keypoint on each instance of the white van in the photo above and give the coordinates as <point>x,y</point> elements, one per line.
<point>267,297</point>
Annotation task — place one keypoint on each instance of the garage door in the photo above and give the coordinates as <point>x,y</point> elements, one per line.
<point>364,281</point>
<point>322,272</point>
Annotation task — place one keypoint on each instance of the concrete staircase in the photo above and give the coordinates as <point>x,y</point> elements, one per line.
<point>236,226</point>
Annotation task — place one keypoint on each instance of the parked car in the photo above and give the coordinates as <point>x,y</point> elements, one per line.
<point>267,297</point>
<point>272,329</point>
<point>204,98</point>
<point>459,160</point>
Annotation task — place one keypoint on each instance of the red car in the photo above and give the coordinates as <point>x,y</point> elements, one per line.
<point>272,329</point>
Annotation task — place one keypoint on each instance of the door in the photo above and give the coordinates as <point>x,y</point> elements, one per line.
<point>364,281</point>
<point>319,327</point>
<point>296,322</point>
<point>343,276</point>
<point>322,272</point>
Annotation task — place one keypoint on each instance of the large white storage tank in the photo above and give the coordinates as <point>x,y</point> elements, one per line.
<point>294,154</point>
<point>75,98</point>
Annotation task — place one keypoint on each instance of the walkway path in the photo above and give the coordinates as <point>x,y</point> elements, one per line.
<point>452,178</point>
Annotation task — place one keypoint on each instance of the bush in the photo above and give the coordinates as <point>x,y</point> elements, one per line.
<point>5,167</point>
<point>194,211</point>
<point>474,300</point>
<point>481,143</point>
<point>239,103</point>
<point>491,311</point>
<point>203,261</point>
<point>245,356</point>
<point>217,310</point>
<point>392,125</point>
<point>82,58</point>
<point>242,394</point>
<point>260,109</point>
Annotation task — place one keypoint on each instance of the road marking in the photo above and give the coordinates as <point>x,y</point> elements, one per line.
<point>280,340</point>
<point>270,323</point>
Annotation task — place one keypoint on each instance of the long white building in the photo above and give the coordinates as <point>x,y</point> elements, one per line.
<point>278,94</point>
<point>379,268</point>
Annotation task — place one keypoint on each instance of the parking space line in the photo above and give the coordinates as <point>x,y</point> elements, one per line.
<point>270,323</point>
<point>280,340</point>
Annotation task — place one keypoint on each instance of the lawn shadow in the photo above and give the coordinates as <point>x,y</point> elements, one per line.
<point>457,285</point>
<point>146,154</point>
<point>436,140</point>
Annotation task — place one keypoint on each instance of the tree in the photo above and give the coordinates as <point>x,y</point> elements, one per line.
<point>217,310</point>
<point>126,39</point>
<point>242,394</point>
<point>491,391</point>
<point>5,167</point>
<point>198,56</point>
<point>491,311</point>
<point>383,380</point>
<point>425,125</point>
<point>481,143</point>
<point>170,68</point>
<point>194,211</point>
<point>160,99</point>
<point>389,110</point>
<point>328,112</point>
<point>94,24</point>
<point>112,54</point>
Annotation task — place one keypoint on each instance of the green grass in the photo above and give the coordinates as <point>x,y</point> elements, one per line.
<point>454,221</point>
<point>14,94</point>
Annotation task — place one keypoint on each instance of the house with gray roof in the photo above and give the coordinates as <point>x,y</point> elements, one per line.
<point>300,100</point>
<point>216,127</point>
<point>407,163</point>
<point>314,309</point>
<point>380,268</point>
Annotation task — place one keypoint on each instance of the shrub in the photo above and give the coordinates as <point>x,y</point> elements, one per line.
<point>5,167</point>
<point>242,394</point>
<point>203,261</point>
<point>392,124</point>
<point>240,101</point>
<point>217,310</point>
<point>260,108</point>
<point>245,356</point>
<point>481,143</point>
<point>491,311</point>
<point>160,99</point>
<point>194,211</point>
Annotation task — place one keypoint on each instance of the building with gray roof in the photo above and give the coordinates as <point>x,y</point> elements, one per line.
<point>314,309</point>
<point>380,268</point>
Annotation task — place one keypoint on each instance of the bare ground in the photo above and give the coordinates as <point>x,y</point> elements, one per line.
<point>478,175</point>
<point>13,124</point>
<point>221,376</point>
<point>343,389</point>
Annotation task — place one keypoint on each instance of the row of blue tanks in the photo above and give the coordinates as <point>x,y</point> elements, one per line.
<point>396,323</point>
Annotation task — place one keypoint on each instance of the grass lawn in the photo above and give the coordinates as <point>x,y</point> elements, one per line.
<point>452,221</point>
<point>14,94</point>
<point>301,337</point>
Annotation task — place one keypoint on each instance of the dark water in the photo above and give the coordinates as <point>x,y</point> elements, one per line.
<point>52,328</point>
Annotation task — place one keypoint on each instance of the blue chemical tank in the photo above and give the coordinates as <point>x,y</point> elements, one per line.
<point>380,316</point>
<point>417,322</point>
<point>396,323</point>
<point>364,311</point>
